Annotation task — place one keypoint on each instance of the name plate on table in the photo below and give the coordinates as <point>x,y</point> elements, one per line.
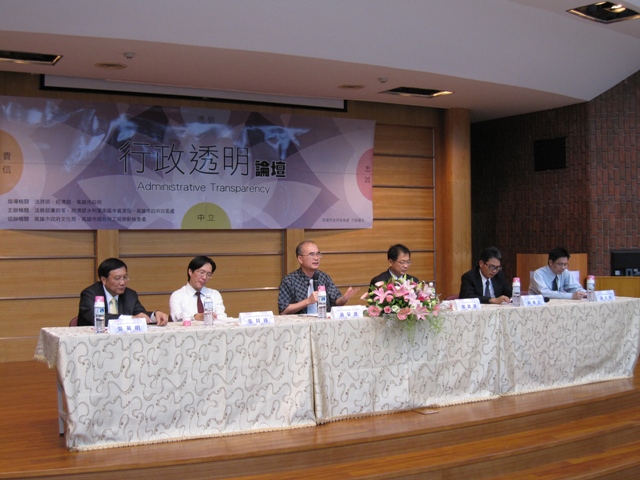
<point>464,304</point>
<point>605,295</point>
<point>532,300</point>
<point>127,324</point>
<point>351,311</point>
<point>248,319</point>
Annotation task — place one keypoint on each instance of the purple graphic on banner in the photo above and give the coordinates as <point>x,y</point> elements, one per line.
<point>83,165</point>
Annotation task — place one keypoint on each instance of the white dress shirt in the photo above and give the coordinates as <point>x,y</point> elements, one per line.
<point>186,300</point>
<point>484,286</point>
<point>542,284</point>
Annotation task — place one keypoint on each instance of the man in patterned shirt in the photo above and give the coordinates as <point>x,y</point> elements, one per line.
<point>299,289</point>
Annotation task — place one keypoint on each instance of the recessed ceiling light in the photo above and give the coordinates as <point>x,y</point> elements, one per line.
<point>111,66</point>
<point>351,87</point>
<point>417,92</point>
<point>29,58</point>
<point>605,12</point>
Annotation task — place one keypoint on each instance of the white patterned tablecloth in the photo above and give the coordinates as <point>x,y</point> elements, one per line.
<point>568,342</point>
<point>365,366</point>
<point>173,383</point>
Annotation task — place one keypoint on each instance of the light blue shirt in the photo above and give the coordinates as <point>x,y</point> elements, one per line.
<point>542,284</point>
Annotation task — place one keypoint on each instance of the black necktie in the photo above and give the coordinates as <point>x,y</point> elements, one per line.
<point>200,306</point>
<point>487,289</point>
<point>554,285</point>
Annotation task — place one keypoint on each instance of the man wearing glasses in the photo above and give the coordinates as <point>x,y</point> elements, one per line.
<point>399,258</point>
<point>487,281</point>
<point>299,289</point>
<point>555,280</point>
<point>118,298</point>
<point>190,298</point>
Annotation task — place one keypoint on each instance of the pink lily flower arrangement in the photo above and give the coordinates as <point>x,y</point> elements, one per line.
<point>406,301</point>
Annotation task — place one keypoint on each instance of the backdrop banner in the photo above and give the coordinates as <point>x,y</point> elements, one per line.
<point>114,166</point>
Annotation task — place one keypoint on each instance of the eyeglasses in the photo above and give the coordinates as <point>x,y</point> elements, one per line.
<point>203,273</point>
<point>494,268</point>
<point>313,255</point>
<point>404,263</point>
<point>562,265</point>
<point>120,279</point>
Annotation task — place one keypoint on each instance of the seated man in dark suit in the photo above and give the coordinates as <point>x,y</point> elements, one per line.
<point>399,258</point>
<point>118,298</point>
<point>487,281</point>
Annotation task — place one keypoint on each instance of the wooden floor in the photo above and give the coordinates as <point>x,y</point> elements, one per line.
<point>590,431</point>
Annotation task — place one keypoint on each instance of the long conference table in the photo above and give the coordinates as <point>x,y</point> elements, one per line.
<point>173,383</point>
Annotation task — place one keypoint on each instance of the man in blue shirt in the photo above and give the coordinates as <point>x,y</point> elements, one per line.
<point>555,280</point>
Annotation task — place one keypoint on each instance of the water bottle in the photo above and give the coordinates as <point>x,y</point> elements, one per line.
<point>322,301</point>
<point>516,300</point>
<point>208,311</point>
<point>591,288</point>
<point>433,290</point>
<point>98,315</point>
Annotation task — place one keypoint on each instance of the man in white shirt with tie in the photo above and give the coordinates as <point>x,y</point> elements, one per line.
<point>299,289</point>
<point>189,299</point>
<point>555,280</point>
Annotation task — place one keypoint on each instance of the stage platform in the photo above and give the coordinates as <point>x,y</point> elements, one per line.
<point>589,431</point>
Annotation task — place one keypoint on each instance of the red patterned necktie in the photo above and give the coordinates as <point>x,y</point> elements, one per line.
<point>200,306</point>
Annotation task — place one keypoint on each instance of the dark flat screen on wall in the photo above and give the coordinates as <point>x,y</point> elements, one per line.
<point>625,263</point>
<point>549,154</point>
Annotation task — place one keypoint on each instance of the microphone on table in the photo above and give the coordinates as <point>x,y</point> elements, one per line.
<point>546,299</point>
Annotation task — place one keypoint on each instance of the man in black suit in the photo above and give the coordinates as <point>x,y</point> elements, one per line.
<point>399,258</point>
<point>113,285</point>
<point>487,281</point>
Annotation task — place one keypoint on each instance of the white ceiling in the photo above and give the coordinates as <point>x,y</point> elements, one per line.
<point>500,57</point>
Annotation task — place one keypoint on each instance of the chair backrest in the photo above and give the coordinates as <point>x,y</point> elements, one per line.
<point>74,322</point>
<point>576,276</point>
<point>455,296</point>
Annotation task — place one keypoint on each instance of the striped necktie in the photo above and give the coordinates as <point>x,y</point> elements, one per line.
<point>113,306</point>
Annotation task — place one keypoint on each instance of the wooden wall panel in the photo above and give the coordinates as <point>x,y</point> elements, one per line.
<point>45,243</point>
<point>154,275</point>
<point>20,349</point>
<point>414,234</point>
<point>403,171</point>
<point>403,203</point>
<point>197,242</point>
<point>622,286</point>
<point>27,317</point>
<point>403,140</point>
<point>51,277</point>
